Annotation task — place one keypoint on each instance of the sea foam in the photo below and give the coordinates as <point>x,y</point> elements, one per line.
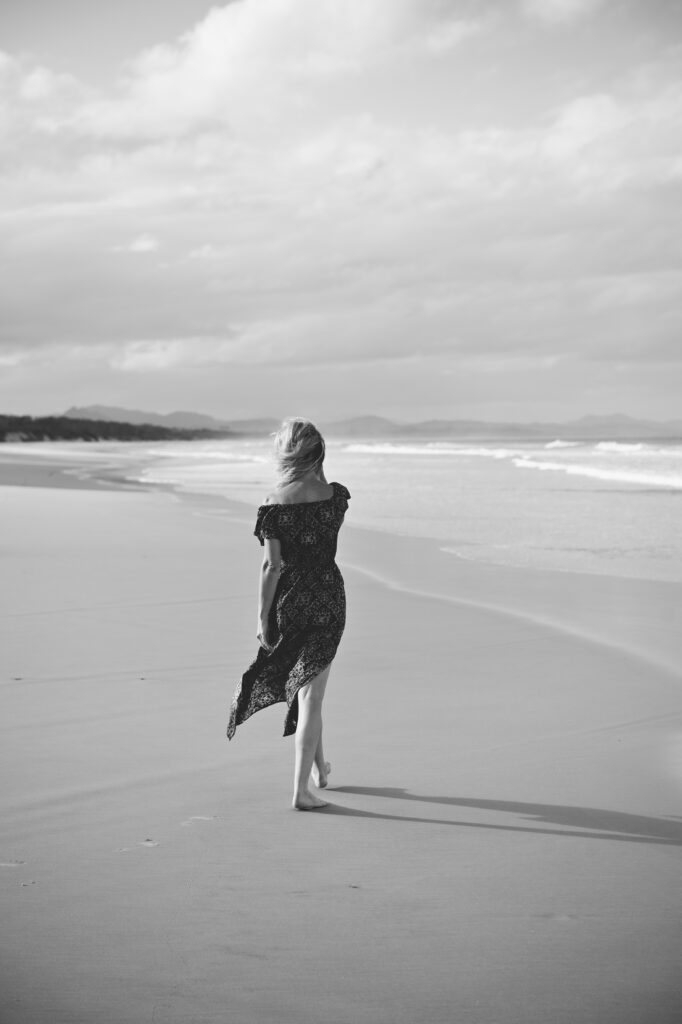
<point>427,448</point>
<point>623,475</point>
<point>619,446</point>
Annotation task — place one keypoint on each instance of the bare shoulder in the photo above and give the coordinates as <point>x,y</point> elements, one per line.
<point>280,496</point>
<point>300,493</point>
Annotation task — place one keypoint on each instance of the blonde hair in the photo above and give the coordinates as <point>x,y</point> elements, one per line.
<point>299,447</point>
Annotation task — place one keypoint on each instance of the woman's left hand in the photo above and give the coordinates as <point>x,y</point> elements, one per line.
<point>265,637</point>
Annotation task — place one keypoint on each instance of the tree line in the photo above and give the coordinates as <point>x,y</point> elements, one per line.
<point>64,428</point>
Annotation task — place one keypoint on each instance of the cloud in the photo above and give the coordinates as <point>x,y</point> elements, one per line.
<point>581,122</point>
<point>246,62</point>
<point>448,35</point>
<point>205,252</point>
<point>555,12</point>
<point>333,184</point>
<point>40,83</point>
<point>8,359</point>
<point>612,142</point>
<point>141,244</point>
<point>164,354</point>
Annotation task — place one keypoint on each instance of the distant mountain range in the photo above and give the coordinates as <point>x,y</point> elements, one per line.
<point>171,420</point>
<point>611,428</point>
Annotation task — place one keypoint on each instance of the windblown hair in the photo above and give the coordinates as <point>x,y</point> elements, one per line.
<point>299,447</point>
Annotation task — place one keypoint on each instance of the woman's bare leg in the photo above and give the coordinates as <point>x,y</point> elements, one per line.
<point>308,733</point>
<point>321,768</point>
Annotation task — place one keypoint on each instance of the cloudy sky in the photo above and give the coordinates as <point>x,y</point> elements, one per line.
<point>416,208</point>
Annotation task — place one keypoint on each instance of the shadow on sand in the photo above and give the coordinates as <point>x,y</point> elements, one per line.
<point>592,822</point>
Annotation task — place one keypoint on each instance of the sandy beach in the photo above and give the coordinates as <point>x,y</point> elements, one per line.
<point>503,843</point>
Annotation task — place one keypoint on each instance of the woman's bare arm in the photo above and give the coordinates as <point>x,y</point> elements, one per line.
<point>269,578</point>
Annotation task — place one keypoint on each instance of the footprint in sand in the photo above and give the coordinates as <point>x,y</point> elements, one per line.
<point>199,817</point>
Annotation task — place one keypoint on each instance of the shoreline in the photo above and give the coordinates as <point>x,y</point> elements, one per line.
<point>638,616</point>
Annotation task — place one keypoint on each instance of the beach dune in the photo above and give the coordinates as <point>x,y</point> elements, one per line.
<point>503,839</point>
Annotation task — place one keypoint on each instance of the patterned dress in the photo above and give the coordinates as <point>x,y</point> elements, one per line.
<point>308,611</point>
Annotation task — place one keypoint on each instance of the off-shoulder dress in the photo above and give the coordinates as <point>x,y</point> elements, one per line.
<point>308,612</point>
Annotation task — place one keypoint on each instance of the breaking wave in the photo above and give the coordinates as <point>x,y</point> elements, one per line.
<point>624,475</point>
<point>619,446</point>
<point>427,448</point>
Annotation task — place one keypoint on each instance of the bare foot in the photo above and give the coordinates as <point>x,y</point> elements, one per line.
<point>307,802</point>
<point>320,774</point>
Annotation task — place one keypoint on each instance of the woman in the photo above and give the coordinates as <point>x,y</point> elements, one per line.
<point>302,602</point>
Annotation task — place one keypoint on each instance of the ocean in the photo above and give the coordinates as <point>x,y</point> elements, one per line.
<point>602,507</point>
